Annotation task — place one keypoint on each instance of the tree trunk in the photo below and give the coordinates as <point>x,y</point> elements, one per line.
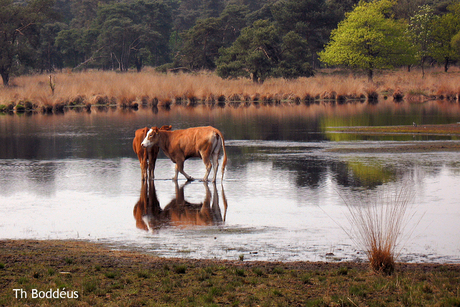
<point>446,64</point>
<point>138,63</point>
<point>255,78</point>
<point>370,75</point>
<point>5,78</point>
<point>423,68</point>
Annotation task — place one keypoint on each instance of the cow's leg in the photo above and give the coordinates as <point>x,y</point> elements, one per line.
<point>208,164</point>
<point>153,154</point>
<point>149,164</point>
<point>143,162</point>
<point>215,164</point>
<point>180,168</point>
<point>214,155</point>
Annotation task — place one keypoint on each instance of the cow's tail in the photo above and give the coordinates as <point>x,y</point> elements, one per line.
<point>224,159</point>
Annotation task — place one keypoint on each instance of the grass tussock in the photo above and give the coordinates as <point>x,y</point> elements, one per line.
<point>378,221</point>
<point>132,89</point>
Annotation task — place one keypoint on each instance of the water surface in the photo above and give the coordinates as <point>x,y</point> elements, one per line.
<point>75,176</point>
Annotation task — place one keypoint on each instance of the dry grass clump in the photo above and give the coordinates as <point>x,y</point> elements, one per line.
<point>377,223</point>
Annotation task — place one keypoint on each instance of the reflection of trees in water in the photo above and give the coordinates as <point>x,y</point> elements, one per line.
<point>269,127</point>
<point>308,172</point>
<point>108,134</point>
<point>313,171</point>
<point>178,212</point>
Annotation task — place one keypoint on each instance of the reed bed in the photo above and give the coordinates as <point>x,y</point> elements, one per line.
<point>132,89</point>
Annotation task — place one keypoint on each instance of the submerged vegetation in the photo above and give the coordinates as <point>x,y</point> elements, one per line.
<point>101,277</point>
<point>152,89</point>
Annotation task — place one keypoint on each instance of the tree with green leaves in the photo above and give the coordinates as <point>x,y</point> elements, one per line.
<point>261,52</point>
<point>421,29</point>
<point>311,19</point>
<point>49,56</point>
<point>368,38</point>
<point>203,41</point>
<point>233,19</point>
<point>201,44</point>
<point>76,46</point>
<point>444,30</point>
<point>455,43</point>
<point>294,57</point>
<point>20,31</point>
<point>134,33</point>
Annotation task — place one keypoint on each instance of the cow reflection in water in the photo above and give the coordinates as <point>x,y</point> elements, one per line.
<point>179,212</point>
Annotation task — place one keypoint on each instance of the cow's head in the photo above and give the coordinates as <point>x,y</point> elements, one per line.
<point>152,138</point>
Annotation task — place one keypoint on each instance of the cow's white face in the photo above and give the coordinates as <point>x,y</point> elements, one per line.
<point>146,143</point>
<point>150,139</point>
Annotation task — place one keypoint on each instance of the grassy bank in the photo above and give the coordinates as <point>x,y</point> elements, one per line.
<point>447,129</point>
<point>116,278</point>
<point>85,89</point>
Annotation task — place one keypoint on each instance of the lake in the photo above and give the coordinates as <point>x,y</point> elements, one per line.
<point>75,176</point>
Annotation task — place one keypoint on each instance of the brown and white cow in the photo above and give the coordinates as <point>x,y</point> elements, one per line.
<point>179,145</point>
<point>147,156</point>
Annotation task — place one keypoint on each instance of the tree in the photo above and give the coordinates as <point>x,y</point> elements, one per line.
<point>294,57</point>
<point>76,45</point>
<point>455,43</point>
<point>85,12</point>
<point>202,43</point>
<point>404,9</point>
<point>421,28</point>
<point>233,20</point>
<point>187,14</point>
<point>309,18</point>
<point>48,54</point>
<point>261,51</point>
<point>130,33</point>
<point>445,28</point>
<point>368,38</point>
<point>20,30</point>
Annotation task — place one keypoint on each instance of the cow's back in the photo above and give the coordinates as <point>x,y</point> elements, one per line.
<point>191,141</point>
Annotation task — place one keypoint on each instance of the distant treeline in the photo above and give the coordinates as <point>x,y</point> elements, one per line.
<point>249,38</point>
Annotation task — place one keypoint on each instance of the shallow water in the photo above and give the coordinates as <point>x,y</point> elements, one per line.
<point>74,176</point>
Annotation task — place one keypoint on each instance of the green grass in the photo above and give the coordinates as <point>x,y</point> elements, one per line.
<point>108,278</point>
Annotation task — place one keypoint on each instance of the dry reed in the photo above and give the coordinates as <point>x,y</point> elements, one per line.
<point>378,222</point>
<point>149,87</point>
